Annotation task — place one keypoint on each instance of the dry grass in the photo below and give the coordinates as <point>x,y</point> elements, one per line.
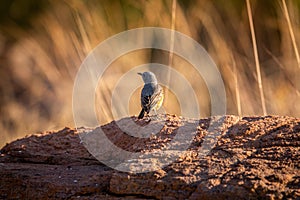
<point>38,68</point>
<point>259,81</point>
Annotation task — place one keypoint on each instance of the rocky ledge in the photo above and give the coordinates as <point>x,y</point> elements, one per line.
<point>227,157</point>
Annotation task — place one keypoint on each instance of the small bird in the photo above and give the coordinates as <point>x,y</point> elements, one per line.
<point>152,95</point>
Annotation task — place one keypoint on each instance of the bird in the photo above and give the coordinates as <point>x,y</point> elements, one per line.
<point>152,94</point>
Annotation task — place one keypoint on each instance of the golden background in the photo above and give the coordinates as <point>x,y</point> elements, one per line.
<point>43,43</point>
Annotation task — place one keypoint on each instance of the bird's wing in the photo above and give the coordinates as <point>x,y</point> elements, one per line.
<point>150,96</point>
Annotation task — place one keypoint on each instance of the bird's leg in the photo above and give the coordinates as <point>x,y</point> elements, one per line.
<point>147,117</point>
<point>155,112</point>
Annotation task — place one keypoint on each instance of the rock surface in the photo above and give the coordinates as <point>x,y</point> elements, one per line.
<point>227,158</point>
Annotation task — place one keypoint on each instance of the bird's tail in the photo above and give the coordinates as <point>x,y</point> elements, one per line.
<point>142,113</point>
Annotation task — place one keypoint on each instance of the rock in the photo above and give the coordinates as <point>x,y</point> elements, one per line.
<point>225,158</point>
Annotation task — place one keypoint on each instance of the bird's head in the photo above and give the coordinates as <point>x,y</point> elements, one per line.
<point>148,77</point>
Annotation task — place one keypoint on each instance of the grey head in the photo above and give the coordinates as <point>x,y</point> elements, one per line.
<point>148,77</point>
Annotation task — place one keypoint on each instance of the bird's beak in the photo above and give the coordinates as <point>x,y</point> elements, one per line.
<point>139,73</point>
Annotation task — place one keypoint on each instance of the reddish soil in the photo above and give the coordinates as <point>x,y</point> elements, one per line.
<point>252,158</point>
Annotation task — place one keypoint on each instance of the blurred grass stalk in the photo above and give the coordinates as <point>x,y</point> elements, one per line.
<point>291,32</point>
<point>255,51</point>
<point>38,68</point>
<point>170,62</point>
